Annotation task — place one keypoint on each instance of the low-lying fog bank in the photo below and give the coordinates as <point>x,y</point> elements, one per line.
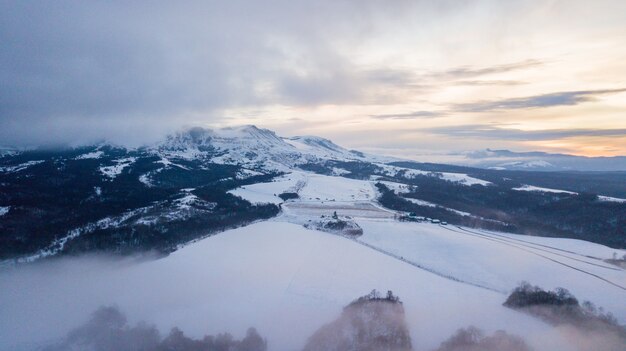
<point>282,279</point>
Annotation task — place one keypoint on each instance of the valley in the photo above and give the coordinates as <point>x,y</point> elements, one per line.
<point>223,238</point>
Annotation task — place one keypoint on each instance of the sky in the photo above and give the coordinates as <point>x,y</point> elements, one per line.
<point>394,77</point>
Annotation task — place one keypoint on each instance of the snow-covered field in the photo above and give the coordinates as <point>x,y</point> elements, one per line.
<point>500,262</point>
<point>268,192</point>
<point>279,277</point>
<point>287,281</point>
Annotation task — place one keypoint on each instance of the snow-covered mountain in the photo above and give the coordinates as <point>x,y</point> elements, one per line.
<point>254,147</point>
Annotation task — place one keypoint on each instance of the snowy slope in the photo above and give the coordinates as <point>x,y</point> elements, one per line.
<point>268,192</point>
<point>285,280</point>
<point>408,173</point>
<point>500,262</point>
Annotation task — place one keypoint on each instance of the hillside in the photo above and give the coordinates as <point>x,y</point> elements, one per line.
<point>197,182</point>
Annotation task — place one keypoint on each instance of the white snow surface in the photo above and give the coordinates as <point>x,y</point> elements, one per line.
<point>261,193</point>
<point>4,210</point>
<point>500,262</point>
<point>20,167</point>
<point>90,155</point>
<point>287,281</point>
<point>327,188</point>
<point>557,191</point>
<point>611,199</point>
<point>113,171</point>
<point>544,190</point>
<point>398,188</point>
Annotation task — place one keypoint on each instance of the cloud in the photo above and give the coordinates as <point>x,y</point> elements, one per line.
<point>496,132</point>
<point>85,67</point>
<point>489,82</point>
<point>469,71</point>
<point>567,98</point>
<point>412,115</point>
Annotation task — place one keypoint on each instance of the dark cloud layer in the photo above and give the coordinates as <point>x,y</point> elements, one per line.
<point>545,100</point>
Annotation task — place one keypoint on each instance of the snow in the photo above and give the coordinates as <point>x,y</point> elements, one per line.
<point>20,167</point>
<point>263,193</point>
<point>287,281</point>
<point>90,155</point>
<point>527,164</point>
<point>4,210</point>
<point>254,148</point>
<point>611,199</point>
<point>113,171</point>
<point>408,173</point>
<point>320,187</point>
<point>421,202</point>
<point>398,188</point>
<point>167,163</point>
<point>247,173</point>
<point>500,262</point>
<point>336,171</point>
<point>557,191</point>
<point>186,202</point>
<point>279,277</point>
<point>544,190</point>
<point>463,179</point>
<point>145,180</point>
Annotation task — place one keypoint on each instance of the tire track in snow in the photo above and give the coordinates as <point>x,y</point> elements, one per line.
<point>427,269</point>
<point>505,239</point>
<point>534,253</point>
<point>542,245</point>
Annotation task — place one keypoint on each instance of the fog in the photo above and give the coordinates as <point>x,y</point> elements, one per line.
<point>283,280</point>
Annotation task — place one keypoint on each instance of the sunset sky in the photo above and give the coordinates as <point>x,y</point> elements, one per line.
<point>393,77</point>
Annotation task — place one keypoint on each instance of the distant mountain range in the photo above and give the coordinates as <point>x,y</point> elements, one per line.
<point>541,161</point>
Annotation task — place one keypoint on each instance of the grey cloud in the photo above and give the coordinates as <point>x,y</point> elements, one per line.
<point>469,71</point>
<point>496,132</point>
<point>566,98</point>
<point>99,64</point>
<point>412,115</point>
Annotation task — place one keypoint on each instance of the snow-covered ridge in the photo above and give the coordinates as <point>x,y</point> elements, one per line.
<point>251,147</point>
<point>559,191</point>
<point>20,167</point>
<point>90,155</point>
<point>543,190</point>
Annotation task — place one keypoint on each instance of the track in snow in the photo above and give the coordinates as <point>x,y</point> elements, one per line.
<point>427,269</point>
<point>530,250</point>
